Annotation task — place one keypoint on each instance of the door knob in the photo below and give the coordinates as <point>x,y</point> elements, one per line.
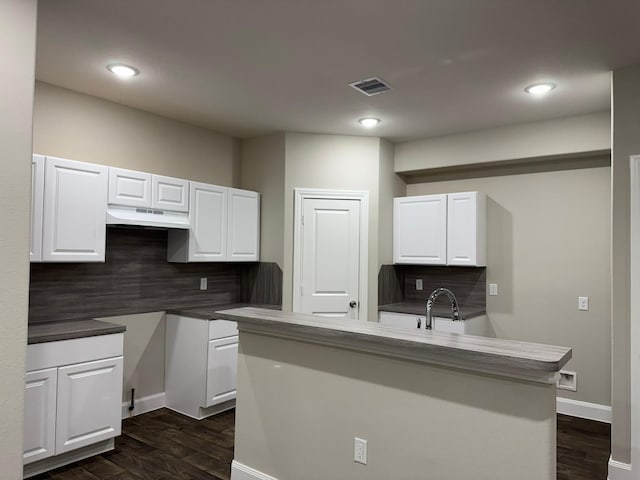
<point>353,304</point>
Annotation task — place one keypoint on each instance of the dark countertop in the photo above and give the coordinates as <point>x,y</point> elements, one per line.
<point>53,331</point>
<point>437,310</point>
<point>210,312</point>
<point>89,327</point>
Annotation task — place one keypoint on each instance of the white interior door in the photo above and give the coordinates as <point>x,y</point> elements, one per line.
<point>330,257</point>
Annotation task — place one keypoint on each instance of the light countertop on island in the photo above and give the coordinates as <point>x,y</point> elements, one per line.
<point>524,360</point>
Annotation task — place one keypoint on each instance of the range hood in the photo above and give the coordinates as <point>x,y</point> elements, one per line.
<point>146,217</point>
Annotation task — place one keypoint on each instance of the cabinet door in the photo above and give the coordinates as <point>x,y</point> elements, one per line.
<point>37,204</point>
<point>170,193</point>
<point>89,403</point>
<point>243,234</point>
<point>75,205</point>
<point>222,370</point>
<point>208,217</point>
<point>449,326</point>
<point>420,230</point>
<point>465,229</point>
<point>401,320</point>
<point>129,188</point>
<point>39,414</point>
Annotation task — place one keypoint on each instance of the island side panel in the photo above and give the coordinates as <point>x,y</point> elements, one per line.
<point>300,406</point>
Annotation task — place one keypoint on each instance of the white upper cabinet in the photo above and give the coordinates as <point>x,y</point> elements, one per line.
<point>448,229</point>
<point>168,193</point>
<point>75,205</point>
<point>129,188</point>
<point>207,239</point>
<point>225,226</point>
<point>37,205</point>
<point>420,230</point>
<point>466,229</point>
<point>243,233</point>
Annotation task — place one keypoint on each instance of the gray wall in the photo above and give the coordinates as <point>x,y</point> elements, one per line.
<point>547,244</point>
<point>300,405</point>
<point>72,125</point>
<point>331,162</point>
<point>626,142</point>
<point>17,51</point>
<point>390,186</point>
<point>569,136</point>
<point>262,166</point>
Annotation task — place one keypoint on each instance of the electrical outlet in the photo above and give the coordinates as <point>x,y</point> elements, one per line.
<point>493,289</point>
<point>203,283</point>
<point>418,284</point>
<point>567,380</point>
<point>583,303</point>
<point>360,451</point>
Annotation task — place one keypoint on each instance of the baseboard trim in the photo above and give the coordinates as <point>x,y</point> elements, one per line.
<point>590,411</point>
<point>619,470</point>
<point>240,471</point>
<point>144,405</point>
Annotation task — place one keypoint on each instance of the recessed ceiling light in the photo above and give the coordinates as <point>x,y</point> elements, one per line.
<point>122,71</point>
<point>369,122</point>
<point>540,88</point>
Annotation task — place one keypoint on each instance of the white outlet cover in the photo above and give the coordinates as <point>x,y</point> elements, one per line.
<point>583,303</point>
<point>418,284</point>
<point>360,451</point>
<point>493,289</point>
<point>203,283</point>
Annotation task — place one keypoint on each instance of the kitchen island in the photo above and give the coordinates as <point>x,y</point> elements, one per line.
<point>429,405</point>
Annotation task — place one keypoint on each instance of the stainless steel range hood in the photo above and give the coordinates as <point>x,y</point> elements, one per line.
<point>147,217</point>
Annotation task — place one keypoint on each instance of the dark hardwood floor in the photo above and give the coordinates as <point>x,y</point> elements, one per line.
<point>166,445</point>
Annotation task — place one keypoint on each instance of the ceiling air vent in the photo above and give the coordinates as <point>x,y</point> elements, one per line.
<point>370,86</point>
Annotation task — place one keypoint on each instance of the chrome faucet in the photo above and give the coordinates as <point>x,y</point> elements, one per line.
<point>455,312</point>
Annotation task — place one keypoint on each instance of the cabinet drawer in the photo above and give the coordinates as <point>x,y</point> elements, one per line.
<point>222,328</point>
<point>77,350</point>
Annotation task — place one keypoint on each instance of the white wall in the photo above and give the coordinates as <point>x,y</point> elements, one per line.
<point>17,51</point>
<point>548,242</point>
<point>571,136</point>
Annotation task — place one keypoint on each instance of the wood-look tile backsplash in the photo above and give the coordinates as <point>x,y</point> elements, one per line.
<point>136,278</point>
<point>397,283</point>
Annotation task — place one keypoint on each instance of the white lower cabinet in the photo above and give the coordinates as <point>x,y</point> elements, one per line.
<point>471,326</point>
<point>40,414</point>
<point>222,370</point>
<point>89,403</point>
<point>73,398</point>
<point>201,358</point>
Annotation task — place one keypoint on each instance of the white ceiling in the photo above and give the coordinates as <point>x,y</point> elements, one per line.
<point>248,67</point>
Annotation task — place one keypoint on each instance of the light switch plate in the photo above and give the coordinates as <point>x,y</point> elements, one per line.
<point>583,303</point>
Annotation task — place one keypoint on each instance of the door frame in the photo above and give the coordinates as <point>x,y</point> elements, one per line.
<point>362,196</point>
<point>634,312</point>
